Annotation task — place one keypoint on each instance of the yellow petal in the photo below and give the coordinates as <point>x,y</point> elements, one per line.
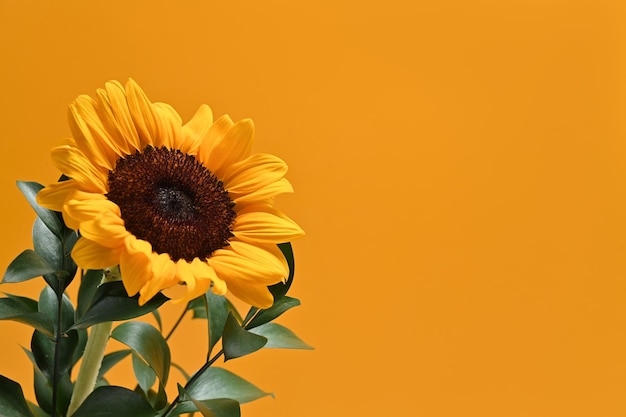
<point>90,135</point>
<point>81,207</point>
<point>169,125</point>
<point>106,229</point>
<point>263,224</point>
<point>216,132</point>
<point>141,111</point>
<point>115,116</point>
<point>202,271</point>
<point>261,195</point>
<point>89,255</point>
<point>135,264</point>
<point>253,294</point>
<point>197,128</point>
<point>241,261</point>
<point>53,196</point>
<point>163,276</point>
<point>235,146</point>
<point>73,163</point>
<point>253,173</point>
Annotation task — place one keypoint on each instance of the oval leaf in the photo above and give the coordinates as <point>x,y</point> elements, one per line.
<point>280,306</point>
<point>280,289</point>
<point>219,383</point>
<point>27,265</point>
<point>12,401</point>
<point>219,407</point>
<point>111,401</point>
<point>112,303</point>
<point>51,219</point>
<point>13,309</point>
<point>148,343</point>
<point>280,337</point>
<point>238,342</point>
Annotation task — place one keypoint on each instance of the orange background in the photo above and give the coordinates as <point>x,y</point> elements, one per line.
<point>460,169</point>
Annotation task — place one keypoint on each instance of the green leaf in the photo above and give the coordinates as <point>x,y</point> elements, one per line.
<point>12,401</point>
<point>57,253</point>
<point>111,401</point>
<point>219,383</point>
<point>280,289</point>
<point>265,316</point>
<point>157,318</point>
<point>36,410</point>
<point>143,373</point>
<point>280,337</point>
<point>51,219</point>
<point>13,309</point>
<point>219,407</point>
<point>88,285</point>
<point>42,347</point>
<point>148,343</point>
<point>112,303</point>
<point>239,342</point>
<point>218,308</point>
<point>112,359</point>
<point>48,305</point>
<point>27,265</point>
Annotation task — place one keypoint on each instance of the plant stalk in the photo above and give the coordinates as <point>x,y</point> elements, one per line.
<point>92,360</point>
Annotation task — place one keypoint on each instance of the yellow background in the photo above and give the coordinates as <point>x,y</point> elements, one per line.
<point>459,168</point>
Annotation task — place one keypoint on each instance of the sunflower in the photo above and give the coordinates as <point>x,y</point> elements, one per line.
<point>170,203</point>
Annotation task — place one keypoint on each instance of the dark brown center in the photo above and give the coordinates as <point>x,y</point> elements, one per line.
<point>171,200</point>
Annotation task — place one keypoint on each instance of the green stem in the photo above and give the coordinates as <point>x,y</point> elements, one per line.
<point>92,360</point>
<point>57,352</point>
<point>180,319</point>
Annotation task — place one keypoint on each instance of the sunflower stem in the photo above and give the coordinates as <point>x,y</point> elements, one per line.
<point>92,360</point>
<point>57,351</point>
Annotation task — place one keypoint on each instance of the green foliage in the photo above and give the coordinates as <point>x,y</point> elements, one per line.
<point>276,310</point>
<point>27,265</point>
<point>219,383</point>
<point>12,401</point>
<point>147,342</point>
<point>238,341</point>
<point>279,337</point>
<point>111,303</point>
<point>13,308</point>
<point>219,407</point>
<point>111,401</point>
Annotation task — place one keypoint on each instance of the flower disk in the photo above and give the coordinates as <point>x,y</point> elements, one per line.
<point>170,203</point>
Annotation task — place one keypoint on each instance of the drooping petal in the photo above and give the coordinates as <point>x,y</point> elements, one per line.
<point>81,206</point>
<point>253,173</point>
<point>90,255</point>
<point>135,265</point>
<point>261,195</point>
<point>73,163</point>
<point>54,195</point>
<point>203,271</point>
<point>253,294</point>
<point>241,261</point>
<point>264,224</point>
<point>106,229</point>
<point>163,276</point>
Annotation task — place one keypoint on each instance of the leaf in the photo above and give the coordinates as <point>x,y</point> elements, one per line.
<point>27,265</point>
<point>112,303</point>
<point>280,337</point>
<point>56,251</point>
<point>239,342</point>
<point>51,219</point>
<point>13,309</point>
<point>143,373</point>
<point>112,359</point>
<point>42,347</point>
<point>111,401</point>
<point>12,401</point>
<point>279,290</point>
<point>148,343</point>
<point>219,407</point>
<point>48,305</point>
<point>88,285</point>
<point>217,382</point>
<point>36,410</point>
<point>218,308</point>
<point>283,304</point>
<point>157,318</point>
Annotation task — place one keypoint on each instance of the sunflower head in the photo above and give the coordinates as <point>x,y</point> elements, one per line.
<point>170,203</point>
